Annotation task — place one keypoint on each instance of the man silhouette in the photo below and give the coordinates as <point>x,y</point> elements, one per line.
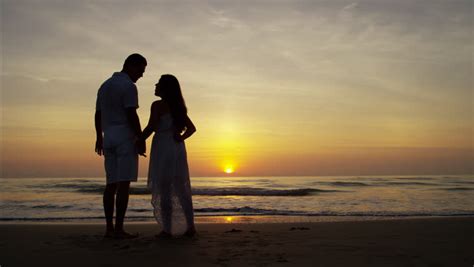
<point>118,128</point>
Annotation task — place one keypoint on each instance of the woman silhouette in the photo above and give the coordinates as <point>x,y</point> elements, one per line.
<point>168,174</point>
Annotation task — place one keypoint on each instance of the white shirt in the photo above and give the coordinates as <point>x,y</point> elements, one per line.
<point>115,95</point>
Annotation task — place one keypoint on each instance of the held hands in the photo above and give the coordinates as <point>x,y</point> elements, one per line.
<point>139,143</point>
<point>141,147</point>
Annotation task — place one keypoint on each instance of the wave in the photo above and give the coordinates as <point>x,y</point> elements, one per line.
<point>256,211</point>
<point>139,210</point>
<point>461,182</point>
<point>224,191</point>
<point>86,187</point>
<point>250,191</point>
<point>249,211</point>
<point>344,184</point>
<point>65,219</point>
<point>20,206</point>
<point>458,189</point>
<point>414,178</point>
<point>408,183</point>
<point>52,206</point>
<point>375,183</point>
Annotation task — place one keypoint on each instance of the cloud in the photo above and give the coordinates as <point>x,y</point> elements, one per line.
<point>347,12</point>
<point>351,6</point>
<point>23,90</point>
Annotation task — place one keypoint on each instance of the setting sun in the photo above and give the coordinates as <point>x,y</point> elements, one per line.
<point>229,169</point>
<point>228,166</point>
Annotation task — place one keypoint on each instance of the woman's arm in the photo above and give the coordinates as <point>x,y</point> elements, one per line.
<point>149,129</point>
<point>190,129</point>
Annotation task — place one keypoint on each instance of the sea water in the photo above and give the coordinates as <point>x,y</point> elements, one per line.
<point>310,198</point>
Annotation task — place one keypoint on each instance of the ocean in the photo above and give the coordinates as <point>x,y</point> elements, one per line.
<point>249,199</point>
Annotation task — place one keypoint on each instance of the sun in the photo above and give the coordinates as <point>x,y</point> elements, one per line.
<point>228,166</point>
<point>229,169</point>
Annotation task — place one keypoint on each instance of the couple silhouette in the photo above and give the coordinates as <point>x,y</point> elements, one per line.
<point>121,140</point>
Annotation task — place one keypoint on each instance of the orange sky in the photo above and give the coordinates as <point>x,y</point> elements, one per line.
<point>293,88</point>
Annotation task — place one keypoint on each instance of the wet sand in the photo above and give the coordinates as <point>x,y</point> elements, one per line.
<point>446,241</point>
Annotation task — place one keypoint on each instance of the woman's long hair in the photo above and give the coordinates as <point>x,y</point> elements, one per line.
<point>171,94</point>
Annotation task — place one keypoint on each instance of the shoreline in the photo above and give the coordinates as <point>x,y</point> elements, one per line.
<point>438,241</point>
<point>237,219</point>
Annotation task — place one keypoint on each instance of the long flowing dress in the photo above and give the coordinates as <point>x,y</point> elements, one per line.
<point>168,179</point>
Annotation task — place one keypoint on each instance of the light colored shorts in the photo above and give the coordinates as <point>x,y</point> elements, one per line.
<point>121,163</point>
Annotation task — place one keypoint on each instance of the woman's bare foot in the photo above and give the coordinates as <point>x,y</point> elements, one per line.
<point>190,232</point>
<point>163,234</point>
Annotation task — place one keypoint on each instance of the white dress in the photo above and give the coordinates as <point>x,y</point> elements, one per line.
<point>168,179</point>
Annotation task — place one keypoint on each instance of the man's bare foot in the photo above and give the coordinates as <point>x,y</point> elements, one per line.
<point>163,234</point>
<point>109,234</point>
<point>124,235</point>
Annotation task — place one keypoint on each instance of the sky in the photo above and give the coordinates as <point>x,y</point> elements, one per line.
<point>274,87</point>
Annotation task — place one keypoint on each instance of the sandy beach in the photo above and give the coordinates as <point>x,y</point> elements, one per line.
<point>401,242</point>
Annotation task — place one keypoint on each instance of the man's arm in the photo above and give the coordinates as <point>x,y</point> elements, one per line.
<point>134,121</point>
<point>98,132</point>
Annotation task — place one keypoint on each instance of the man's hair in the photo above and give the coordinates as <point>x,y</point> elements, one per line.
<point>134,60</point>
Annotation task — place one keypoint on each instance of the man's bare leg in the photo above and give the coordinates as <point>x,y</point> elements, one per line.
<point>109,200</point>
<point>123,192</point>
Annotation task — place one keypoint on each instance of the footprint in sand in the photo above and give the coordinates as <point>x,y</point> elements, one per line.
<point>234,231</point>
<point>124,247</point>
<point>299,228</point>
<point>281,258</point>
